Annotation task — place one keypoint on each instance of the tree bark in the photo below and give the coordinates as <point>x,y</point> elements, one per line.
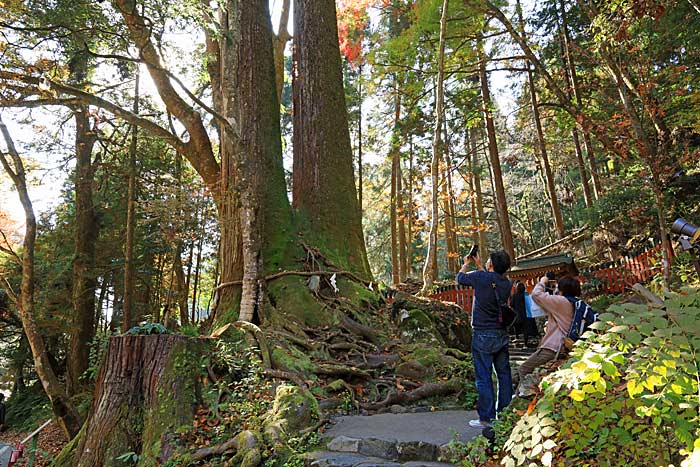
<point>501,203</point>
<point>323,175</point>
<point>147,387</point>
<point>429,269</point>
<point>62,407</point>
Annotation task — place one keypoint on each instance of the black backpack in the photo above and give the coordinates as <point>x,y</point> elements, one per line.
<point>584,316</point>
<point>506,314</point>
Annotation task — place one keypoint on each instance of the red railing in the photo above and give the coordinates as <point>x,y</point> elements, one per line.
<point>606,278</point>
<point>616,276</point>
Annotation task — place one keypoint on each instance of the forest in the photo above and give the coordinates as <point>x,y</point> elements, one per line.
<point>224,224</point>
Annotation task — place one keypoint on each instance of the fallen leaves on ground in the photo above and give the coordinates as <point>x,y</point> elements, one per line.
<point>51,441</point>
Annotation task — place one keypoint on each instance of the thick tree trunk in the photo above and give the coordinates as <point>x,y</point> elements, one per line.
<point>430,269</point>
<point>147,387</point>
<point>87,229</point>
<point>500,192</point>
<point>62,407</point>
<point>323,176</point>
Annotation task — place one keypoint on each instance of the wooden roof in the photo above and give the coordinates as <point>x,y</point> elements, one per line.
<point>534,268</point>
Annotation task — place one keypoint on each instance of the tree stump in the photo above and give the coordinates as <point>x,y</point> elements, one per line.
<point>147,387</point>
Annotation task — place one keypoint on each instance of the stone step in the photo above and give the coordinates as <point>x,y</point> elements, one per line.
<point>408,439</point>
<point>349,459</point>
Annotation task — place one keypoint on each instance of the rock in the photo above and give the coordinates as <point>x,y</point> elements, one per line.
<point>413,369</point>
<point>344,444</point>
<point>398,409</point>
<point>427,464</point>
<point>386,449</point>
<point>294,408</point>
<point>416,326</point>
<point>337,459</point>
<point>449,321</point>
<point>329,404</point>
<point>417,450</point>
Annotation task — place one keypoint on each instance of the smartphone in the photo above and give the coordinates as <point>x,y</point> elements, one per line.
<point>473,250</point>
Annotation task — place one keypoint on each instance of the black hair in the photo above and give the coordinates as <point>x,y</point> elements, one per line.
<point>569,286</point>
<point>500,260</point>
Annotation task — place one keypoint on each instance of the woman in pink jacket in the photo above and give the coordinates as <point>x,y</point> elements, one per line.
<point>560,312</point>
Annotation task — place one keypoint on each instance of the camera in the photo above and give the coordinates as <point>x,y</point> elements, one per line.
<point>473,250</point>
<point>687,232</point>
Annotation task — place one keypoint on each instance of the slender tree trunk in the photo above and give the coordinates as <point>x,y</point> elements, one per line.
<point>279,42</point>
<point>393,205</point>
<point>549,177</point>
<point>360,180</point>
<point>429,269</point>
<point>501,204</point>
<point>409,213</point>
<point>452,247</point>
<point>570,66</point>
<point>87,229</point>
<point>401,219</point>
<point>323,175</point>
<point>130,316</point>
<point>62,407</point>
<point>195,285</point>
<point>550,186</point>
<point>181,285</point>
<point>476,174</point>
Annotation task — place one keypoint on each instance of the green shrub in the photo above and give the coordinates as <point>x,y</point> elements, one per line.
<point>627,397</point>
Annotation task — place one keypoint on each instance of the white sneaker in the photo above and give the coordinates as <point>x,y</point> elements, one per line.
<point>478,423</point>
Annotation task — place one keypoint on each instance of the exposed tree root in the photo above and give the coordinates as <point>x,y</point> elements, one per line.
<point>330,369</point>
<point>288,375</point>
<point>423,392</point>
<point>230,445</point>
<point>359,329</point>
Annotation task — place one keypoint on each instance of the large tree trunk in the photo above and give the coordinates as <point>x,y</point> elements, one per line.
<point>323,177</point>
<point>147,387</point>
<point>500,192</point>
<point>430,269</point>
<point>64,410</point>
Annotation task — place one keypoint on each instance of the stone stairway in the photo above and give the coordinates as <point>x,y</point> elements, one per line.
<point>393,440</point>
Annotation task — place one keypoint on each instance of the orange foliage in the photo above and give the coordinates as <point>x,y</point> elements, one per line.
<point>352,19</point>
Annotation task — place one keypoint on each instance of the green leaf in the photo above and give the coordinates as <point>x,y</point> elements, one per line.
<point>609,369</point>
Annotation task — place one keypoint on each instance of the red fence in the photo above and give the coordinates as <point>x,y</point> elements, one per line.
<point>616,276</point>
<point>462,295</point>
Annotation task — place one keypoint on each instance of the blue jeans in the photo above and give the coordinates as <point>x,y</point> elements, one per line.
<point>490,352</point>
